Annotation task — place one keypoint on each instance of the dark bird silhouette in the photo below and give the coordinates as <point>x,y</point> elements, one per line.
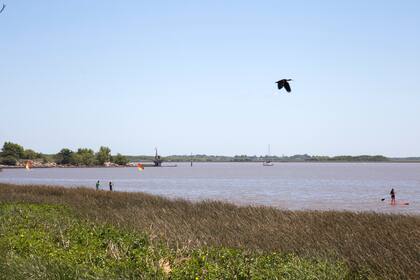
<point>284,83</point>
<point>2,8</point>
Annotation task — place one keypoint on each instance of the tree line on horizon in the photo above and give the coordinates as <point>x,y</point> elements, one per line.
<point>294,158</point>
<point>12,154</point>
<point>254,158</point>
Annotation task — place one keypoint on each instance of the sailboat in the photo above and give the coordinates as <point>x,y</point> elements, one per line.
<point>191,158</point>
<point>268,162</point>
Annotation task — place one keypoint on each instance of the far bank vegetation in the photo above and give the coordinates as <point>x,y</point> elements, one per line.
<point>13,154</point>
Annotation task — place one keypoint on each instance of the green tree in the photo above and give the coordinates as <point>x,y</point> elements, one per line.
<point>84,156</point>
<point>104,155</point>
<point>8,160</point>
<point>120,159</point>
<point>65,156</point>
<point>31,154</point>
<point>12,150</point>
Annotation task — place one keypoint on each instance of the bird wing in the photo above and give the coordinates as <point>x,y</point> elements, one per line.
<point>2,8</point>
<point>280,84</point>
<point>287,86</point>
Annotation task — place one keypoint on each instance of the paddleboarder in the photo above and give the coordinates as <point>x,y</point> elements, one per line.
<point>392,193</point>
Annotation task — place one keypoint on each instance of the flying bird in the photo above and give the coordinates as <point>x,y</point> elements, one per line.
<point>284,83</point>
<point>2,8</point>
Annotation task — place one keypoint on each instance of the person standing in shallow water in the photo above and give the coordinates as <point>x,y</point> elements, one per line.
<point>97,185</point>
<point>110,186</point>
<point>392,193</point>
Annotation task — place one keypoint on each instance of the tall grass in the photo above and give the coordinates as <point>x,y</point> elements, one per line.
<point>371,244</point>
<point>42,241</point>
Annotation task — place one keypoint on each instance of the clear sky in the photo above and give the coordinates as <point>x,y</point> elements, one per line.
<point>199,76</point>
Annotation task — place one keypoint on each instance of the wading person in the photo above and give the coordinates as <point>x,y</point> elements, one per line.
<point>97,185</point>
<point>392,193</point>
<point>110,186</point>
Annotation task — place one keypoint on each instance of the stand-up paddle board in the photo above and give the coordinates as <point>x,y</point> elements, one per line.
<point>399,203</point>
<point>404,203</point>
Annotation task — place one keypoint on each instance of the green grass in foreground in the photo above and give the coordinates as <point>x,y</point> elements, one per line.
<point>42,241</point>
<point>360,245</point>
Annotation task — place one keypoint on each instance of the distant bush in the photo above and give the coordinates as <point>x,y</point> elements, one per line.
<point>84,156</point>
<point>65,156</point>
<point>362,158</point>
<point>31,154</point>
<point>14,150</point>
<point>8,160</point>
<point>120,159</point>
<point>103,155</point>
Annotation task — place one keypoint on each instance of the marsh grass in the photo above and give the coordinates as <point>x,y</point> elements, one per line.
<point>371,245</point>
<point>43,241</point>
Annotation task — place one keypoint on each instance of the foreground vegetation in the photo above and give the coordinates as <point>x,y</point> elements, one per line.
<point>44,241</point>
<point>81,233</point>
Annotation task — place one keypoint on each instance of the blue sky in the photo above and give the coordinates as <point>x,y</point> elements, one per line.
<point>198,76</point>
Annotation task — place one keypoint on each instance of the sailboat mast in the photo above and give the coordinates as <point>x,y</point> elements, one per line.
<point>267,161</point>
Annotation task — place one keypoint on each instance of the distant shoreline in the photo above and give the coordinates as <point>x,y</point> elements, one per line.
<point>13,154</point>
<point>132,164</point>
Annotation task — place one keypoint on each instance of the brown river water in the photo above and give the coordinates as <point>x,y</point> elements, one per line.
<point>295,186</point>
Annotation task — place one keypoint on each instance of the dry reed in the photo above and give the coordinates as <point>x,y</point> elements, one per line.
<point>386,245</point>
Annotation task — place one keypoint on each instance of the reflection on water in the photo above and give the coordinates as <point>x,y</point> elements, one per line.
<point>342,186</point>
